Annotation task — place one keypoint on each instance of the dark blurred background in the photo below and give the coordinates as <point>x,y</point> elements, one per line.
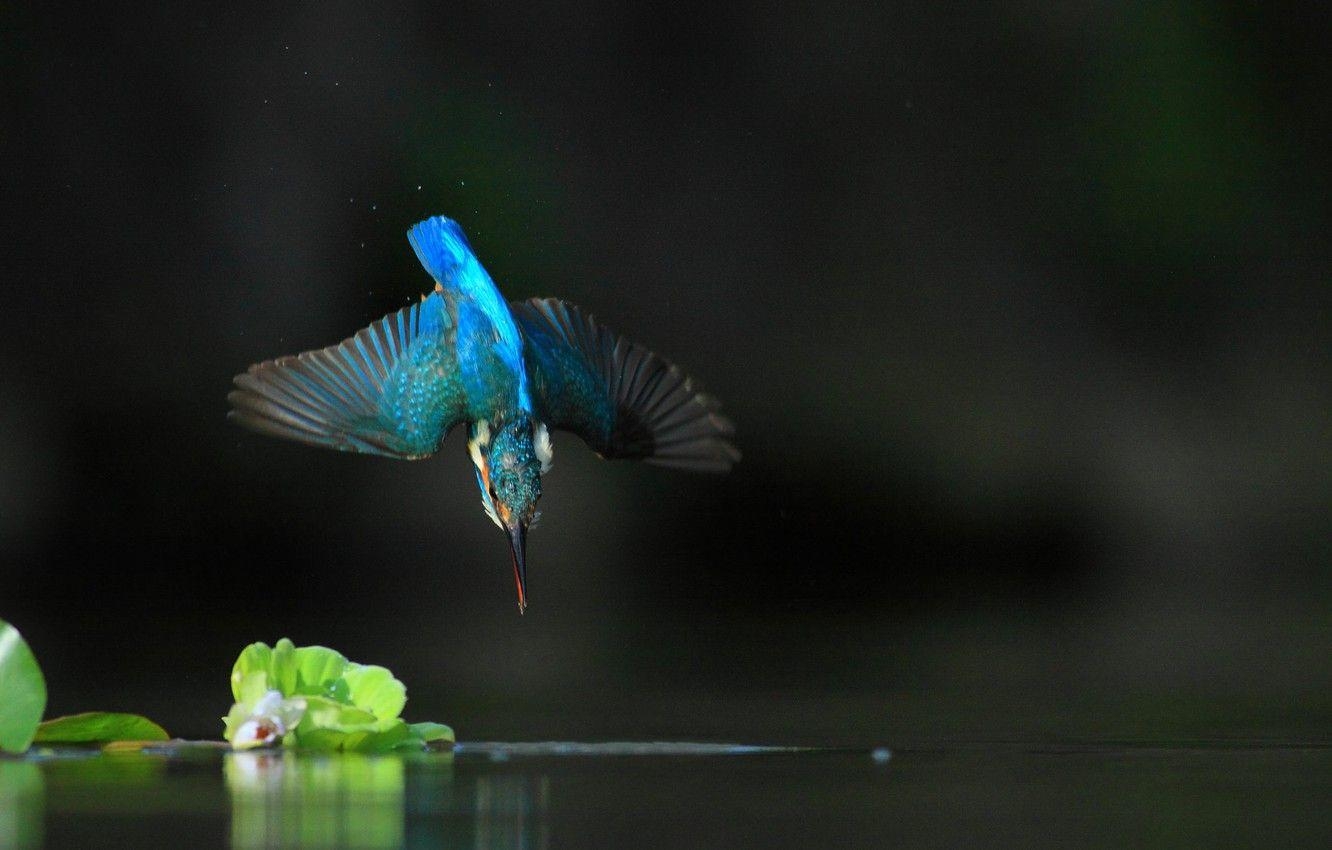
<point>1021,309</point>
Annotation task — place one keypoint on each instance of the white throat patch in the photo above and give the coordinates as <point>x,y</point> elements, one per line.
<point>545,452</point>
<point>478,442</point>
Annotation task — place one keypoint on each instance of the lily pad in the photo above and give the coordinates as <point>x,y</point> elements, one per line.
<point>22,691</point>
<point>99,727</point>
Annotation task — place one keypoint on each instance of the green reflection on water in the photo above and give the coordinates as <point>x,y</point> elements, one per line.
<point>22,795</point>
<point>510,811</point>
<point>282,799</point>
<point>273,798</point>
<point>1114,794</point>
<point>285,799</point>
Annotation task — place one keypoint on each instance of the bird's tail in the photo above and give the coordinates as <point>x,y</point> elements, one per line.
<point>441,247</point>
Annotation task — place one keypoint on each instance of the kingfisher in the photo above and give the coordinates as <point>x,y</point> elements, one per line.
<point>510,371</point>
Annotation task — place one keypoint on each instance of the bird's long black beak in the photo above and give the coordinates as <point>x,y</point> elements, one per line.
<point>518,546</point>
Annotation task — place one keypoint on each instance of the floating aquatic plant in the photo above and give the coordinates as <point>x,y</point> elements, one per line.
<point>23,699</point>
<point>22,691</point>
<point>312,697</point>
<point>98,727</point>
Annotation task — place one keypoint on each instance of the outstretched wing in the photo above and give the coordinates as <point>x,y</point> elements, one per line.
<point>392,389</point>
<point>622,399</point>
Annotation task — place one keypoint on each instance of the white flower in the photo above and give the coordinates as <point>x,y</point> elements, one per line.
<point>269,719</point>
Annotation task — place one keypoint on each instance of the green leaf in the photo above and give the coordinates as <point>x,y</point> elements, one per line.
<point>257,658</point>
<point>393,735</point>
<point>252,687</point>
<point>421,736</point>
<point>315,670</point>
<point>319,671</point>
<point>374,689</point>
<point>322,740</point>
<point>282,668</point>
<point>380,741</point>
<point>99,727</point>
<point>22,691</point>
<point>325,713</point>
<point>428,732</point>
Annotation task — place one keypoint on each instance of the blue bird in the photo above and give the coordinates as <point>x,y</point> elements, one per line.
<point>510,371</point>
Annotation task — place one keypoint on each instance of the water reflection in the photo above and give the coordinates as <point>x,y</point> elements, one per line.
<point>282,799</point>
<point>22,799</point>
<point>523,796</point>
<point>275,799</point>
<point>511,811</point>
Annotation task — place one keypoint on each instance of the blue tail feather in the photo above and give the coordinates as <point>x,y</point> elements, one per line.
<point>441,247</point>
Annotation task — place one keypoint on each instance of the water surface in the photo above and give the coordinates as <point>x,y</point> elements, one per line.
<point>495,795</point>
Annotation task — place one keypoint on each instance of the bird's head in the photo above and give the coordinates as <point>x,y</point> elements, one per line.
<point>509,460</point>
